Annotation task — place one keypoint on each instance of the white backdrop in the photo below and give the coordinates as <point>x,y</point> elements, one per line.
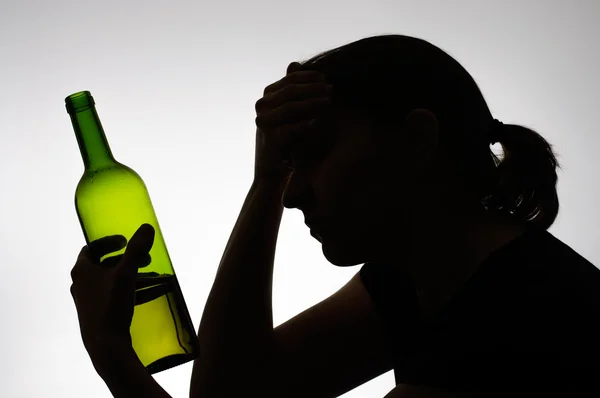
<point>175,84</point>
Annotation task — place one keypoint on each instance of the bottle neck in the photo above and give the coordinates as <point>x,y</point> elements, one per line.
<point>93,145</point>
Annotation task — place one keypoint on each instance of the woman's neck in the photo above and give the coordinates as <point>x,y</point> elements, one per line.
<point>446,256</point>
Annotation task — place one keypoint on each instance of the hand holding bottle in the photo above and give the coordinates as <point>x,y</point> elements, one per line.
<point>286,110</point>
<point>104,292</point>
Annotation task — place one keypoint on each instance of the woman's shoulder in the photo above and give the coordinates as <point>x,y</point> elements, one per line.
<point>542,282</point>
<point>543,255</point>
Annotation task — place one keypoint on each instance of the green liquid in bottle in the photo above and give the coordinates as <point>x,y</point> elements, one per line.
<point>112,199</point>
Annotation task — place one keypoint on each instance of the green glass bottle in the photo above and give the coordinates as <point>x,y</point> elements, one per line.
<point>112,199</point>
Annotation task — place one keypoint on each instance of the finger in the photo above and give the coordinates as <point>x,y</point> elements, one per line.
<point>293,67</point>
<point>293,92</point>
<point>84,254</point>
<point>293,112</point>
<point>290,134</point>
<point>138,248</point>
<point>299,77</point>
<point>112,261</point>
<point>145,261</point>
<point>108,244</point>
<point>84,259</point>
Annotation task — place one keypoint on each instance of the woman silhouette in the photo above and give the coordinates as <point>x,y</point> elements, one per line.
<point>384,145</point>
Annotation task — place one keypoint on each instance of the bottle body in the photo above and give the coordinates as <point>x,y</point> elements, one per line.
<point>112,199</point>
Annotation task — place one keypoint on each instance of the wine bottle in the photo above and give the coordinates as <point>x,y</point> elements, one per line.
<point>112,199</point>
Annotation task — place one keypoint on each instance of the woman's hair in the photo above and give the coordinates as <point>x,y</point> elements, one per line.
<point>384,78</point>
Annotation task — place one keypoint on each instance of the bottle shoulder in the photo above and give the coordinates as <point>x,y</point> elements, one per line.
<point>115,174</point>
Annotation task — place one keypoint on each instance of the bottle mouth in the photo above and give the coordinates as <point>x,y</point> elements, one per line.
<point>79,102</point>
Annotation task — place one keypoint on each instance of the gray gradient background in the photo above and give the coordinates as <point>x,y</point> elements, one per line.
<point>175,85</point>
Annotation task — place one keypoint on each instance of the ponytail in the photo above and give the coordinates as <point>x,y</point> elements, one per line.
<point>525,177</point>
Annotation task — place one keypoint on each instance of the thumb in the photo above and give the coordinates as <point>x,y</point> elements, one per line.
<point>138,247</point>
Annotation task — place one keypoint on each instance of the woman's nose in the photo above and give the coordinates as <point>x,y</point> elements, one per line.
<point>298,192</point>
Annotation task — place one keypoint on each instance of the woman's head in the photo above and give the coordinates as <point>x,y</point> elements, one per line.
<point>409,135</point>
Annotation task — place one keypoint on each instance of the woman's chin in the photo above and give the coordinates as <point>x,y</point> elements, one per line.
<point>340,256</point>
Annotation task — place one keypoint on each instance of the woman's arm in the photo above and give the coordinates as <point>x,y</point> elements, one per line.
<point>236,330</point>
<point>412,391</point>
<point>124,374</point>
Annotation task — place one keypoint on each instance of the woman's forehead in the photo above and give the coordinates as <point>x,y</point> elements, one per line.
<point>332,130</point>
<point>332,125</point>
